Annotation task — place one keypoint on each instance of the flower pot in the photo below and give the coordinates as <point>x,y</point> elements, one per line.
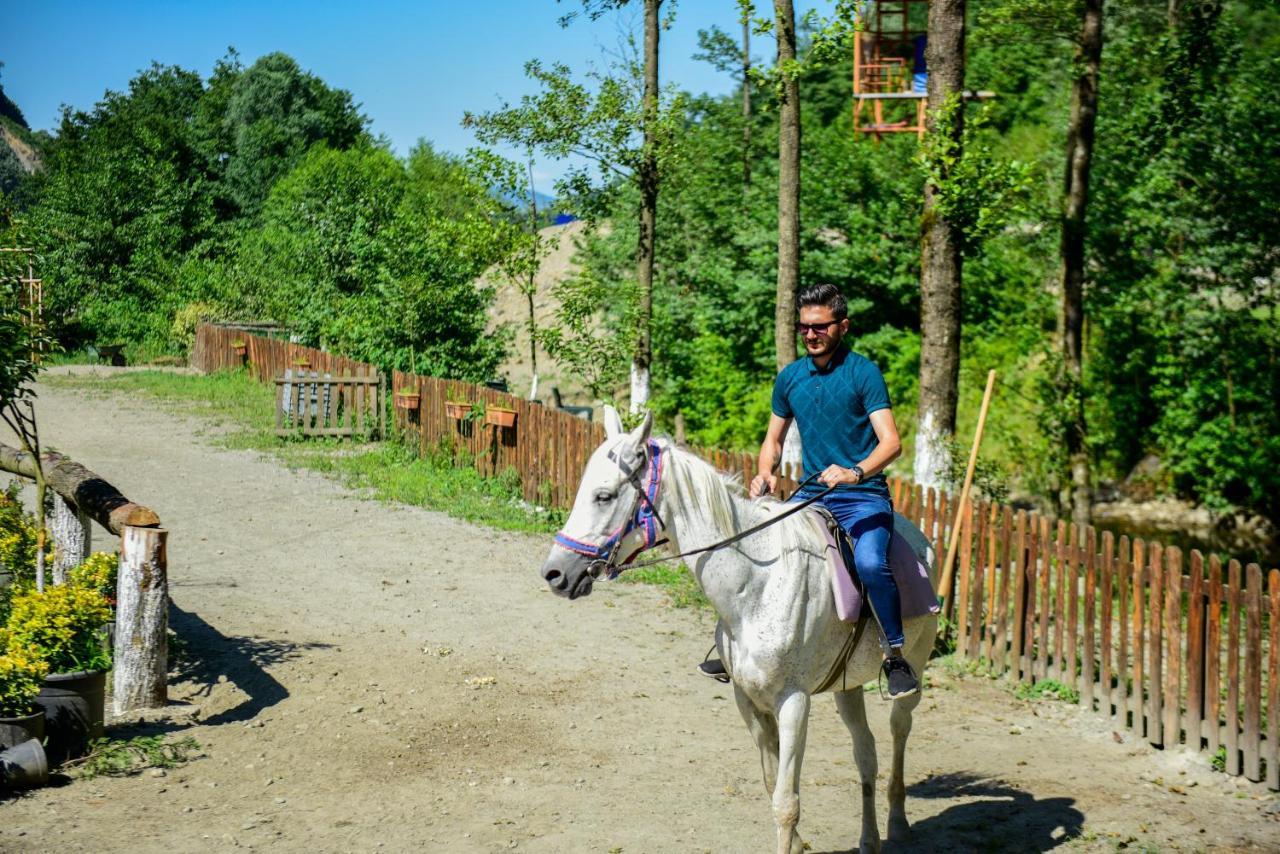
<point>302,364</point>
<point>24,766</point>
<point>407,400</point>
<point>500,417</point>
<point>457,410</point>
<point>14,731</point>
<point>240,349</point>
<point>73,709</point>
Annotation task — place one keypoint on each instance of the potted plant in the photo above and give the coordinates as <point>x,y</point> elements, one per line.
<point>457,409</point>
<point>302,363</point>
<point>98,573</point>
<point>21,675</point>
<point>240,346</point>
<point>408,397</point>
<point>500,416</point>
<point>60,625</point>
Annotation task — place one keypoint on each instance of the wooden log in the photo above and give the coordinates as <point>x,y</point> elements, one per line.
<point>1195,651</point>
<point>1231,737</point>
<point>1213,656</point>
<point>99,500</point>
<point>70,529</point>
<point>1253,674</point>
<point>142,620</point>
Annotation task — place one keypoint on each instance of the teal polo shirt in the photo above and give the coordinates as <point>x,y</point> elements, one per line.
<point>832,408</point>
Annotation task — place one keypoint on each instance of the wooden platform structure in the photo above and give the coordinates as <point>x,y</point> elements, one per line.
<point>888,69</point>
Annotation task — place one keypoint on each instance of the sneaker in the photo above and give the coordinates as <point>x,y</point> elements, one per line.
<point>713,668</point>
<point>901,678</point>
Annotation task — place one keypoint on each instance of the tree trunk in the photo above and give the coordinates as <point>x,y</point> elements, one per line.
<point>99,500</point>
<point>531,287</point>
<point>746,108</point>
<point>1080,132</point>
<point>648,177</point>
<point>141,655</point>
<point>69,527</point>
<point>941,265</point>
<point>788,189</point>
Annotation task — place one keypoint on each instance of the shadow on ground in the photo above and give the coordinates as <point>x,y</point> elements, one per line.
<point>991,815</point>
<point>206,655</point>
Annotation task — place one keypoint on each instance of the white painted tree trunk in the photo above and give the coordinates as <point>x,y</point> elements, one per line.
<point>933,454</point>
<point>533,387</point>
<point>71,537</point>
<point>142,621</point>
<point>639,388</point>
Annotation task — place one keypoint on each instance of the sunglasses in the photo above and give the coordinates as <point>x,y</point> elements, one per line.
<point>815,328</point>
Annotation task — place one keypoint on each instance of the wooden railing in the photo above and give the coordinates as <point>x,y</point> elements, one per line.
<point>1175,650</point>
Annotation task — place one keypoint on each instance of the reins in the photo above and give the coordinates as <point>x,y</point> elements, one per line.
<point>741,535</point>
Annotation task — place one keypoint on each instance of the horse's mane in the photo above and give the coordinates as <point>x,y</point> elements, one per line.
<point>719,495</point>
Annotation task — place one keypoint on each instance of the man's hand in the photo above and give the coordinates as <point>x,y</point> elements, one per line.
<point>762,484</point>
<point>834,475</point>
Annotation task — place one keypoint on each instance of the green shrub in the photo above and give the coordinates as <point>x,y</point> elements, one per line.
<point>20,677</point>
<point>60,625</point>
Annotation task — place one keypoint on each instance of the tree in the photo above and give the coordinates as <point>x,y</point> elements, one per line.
<point>941,259</point>
<point>784,330</point>
<point>1080,132</point>
<point>569,119</point>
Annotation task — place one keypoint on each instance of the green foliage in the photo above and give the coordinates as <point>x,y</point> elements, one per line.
<point>123,757</point>
<point>1047,688</point>
<point>97,573</point>
<point>21,675</point>
<point>60,625</point>
<point>18,536</point>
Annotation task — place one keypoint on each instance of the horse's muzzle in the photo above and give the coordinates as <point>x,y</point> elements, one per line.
<point>568,574</point>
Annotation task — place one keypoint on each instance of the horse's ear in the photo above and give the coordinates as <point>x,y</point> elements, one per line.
<point>612,422</point>
<point>641,434</point>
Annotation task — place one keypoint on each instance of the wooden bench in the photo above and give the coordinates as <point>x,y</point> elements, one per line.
<point>310,403</point>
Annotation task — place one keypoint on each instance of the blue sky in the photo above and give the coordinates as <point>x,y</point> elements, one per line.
<point>413,67</point>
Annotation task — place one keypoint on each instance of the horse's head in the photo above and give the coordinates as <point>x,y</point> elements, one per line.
<point>609,522</point>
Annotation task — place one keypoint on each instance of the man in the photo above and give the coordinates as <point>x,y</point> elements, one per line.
<point>840,404</point>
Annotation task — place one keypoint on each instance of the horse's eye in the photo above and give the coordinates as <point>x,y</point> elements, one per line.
<point>604,496</point>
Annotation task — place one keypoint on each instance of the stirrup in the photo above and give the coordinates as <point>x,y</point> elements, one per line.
<point>713,668</point>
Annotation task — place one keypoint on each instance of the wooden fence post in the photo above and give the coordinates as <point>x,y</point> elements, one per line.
<point>71,537</point>
<point>142,620</point>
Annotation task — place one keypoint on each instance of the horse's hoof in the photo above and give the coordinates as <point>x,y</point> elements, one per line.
<point>899,830</point>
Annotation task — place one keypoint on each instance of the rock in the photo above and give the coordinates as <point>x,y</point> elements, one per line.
<point>158,772</point>
<point>355,710</point>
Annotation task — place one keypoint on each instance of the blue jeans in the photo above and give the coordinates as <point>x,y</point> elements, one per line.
<point>868,517</point>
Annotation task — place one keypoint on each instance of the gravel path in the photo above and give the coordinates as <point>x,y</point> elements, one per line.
<point>371,677</point>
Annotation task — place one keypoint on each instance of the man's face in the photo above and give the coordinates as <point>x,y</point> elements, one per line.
<point>820,330</point>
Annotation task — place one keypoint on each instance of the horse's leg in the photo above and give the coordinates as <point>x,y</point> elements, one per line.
<point>900,726</point>
<point>853,711</point>
<point>765,732</point>
<point>793,726</point>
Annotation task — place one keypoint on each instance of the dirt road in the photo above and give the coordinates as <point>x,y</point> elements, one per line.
<point>370,677</point>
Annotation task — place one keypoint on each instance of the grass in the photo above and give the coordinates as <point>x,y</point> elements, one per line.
<point>1047,688</point>
<point>118,758</point>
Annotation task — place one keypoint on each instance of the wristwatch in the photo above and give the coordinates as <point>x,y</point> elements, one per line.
<point>859,472</point>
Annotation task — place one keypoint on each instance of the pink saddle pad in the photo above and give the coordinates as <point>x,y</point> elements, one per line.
<point>915,590</point>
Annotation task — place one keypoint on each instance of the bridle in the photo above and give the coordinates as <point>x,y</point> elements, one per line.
<point>645,478</point>
<point>644,516</point>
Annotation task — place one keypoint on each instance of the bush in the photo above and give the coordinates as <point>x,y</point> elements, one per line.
<point>20,676</point>
<point>98,573</point>
<point>60,625</point>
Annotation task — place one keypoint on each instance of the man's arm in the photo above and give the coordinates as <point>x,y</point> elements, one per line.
<point>770,452</point>
<point>887,449</point>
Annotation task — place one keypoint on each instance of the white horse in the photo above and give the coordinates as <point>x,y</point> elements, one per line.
<point>778,632</point>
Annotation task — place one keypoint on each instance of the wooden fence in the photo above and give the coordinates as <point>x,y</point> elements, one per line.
<point>1175,649</point>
